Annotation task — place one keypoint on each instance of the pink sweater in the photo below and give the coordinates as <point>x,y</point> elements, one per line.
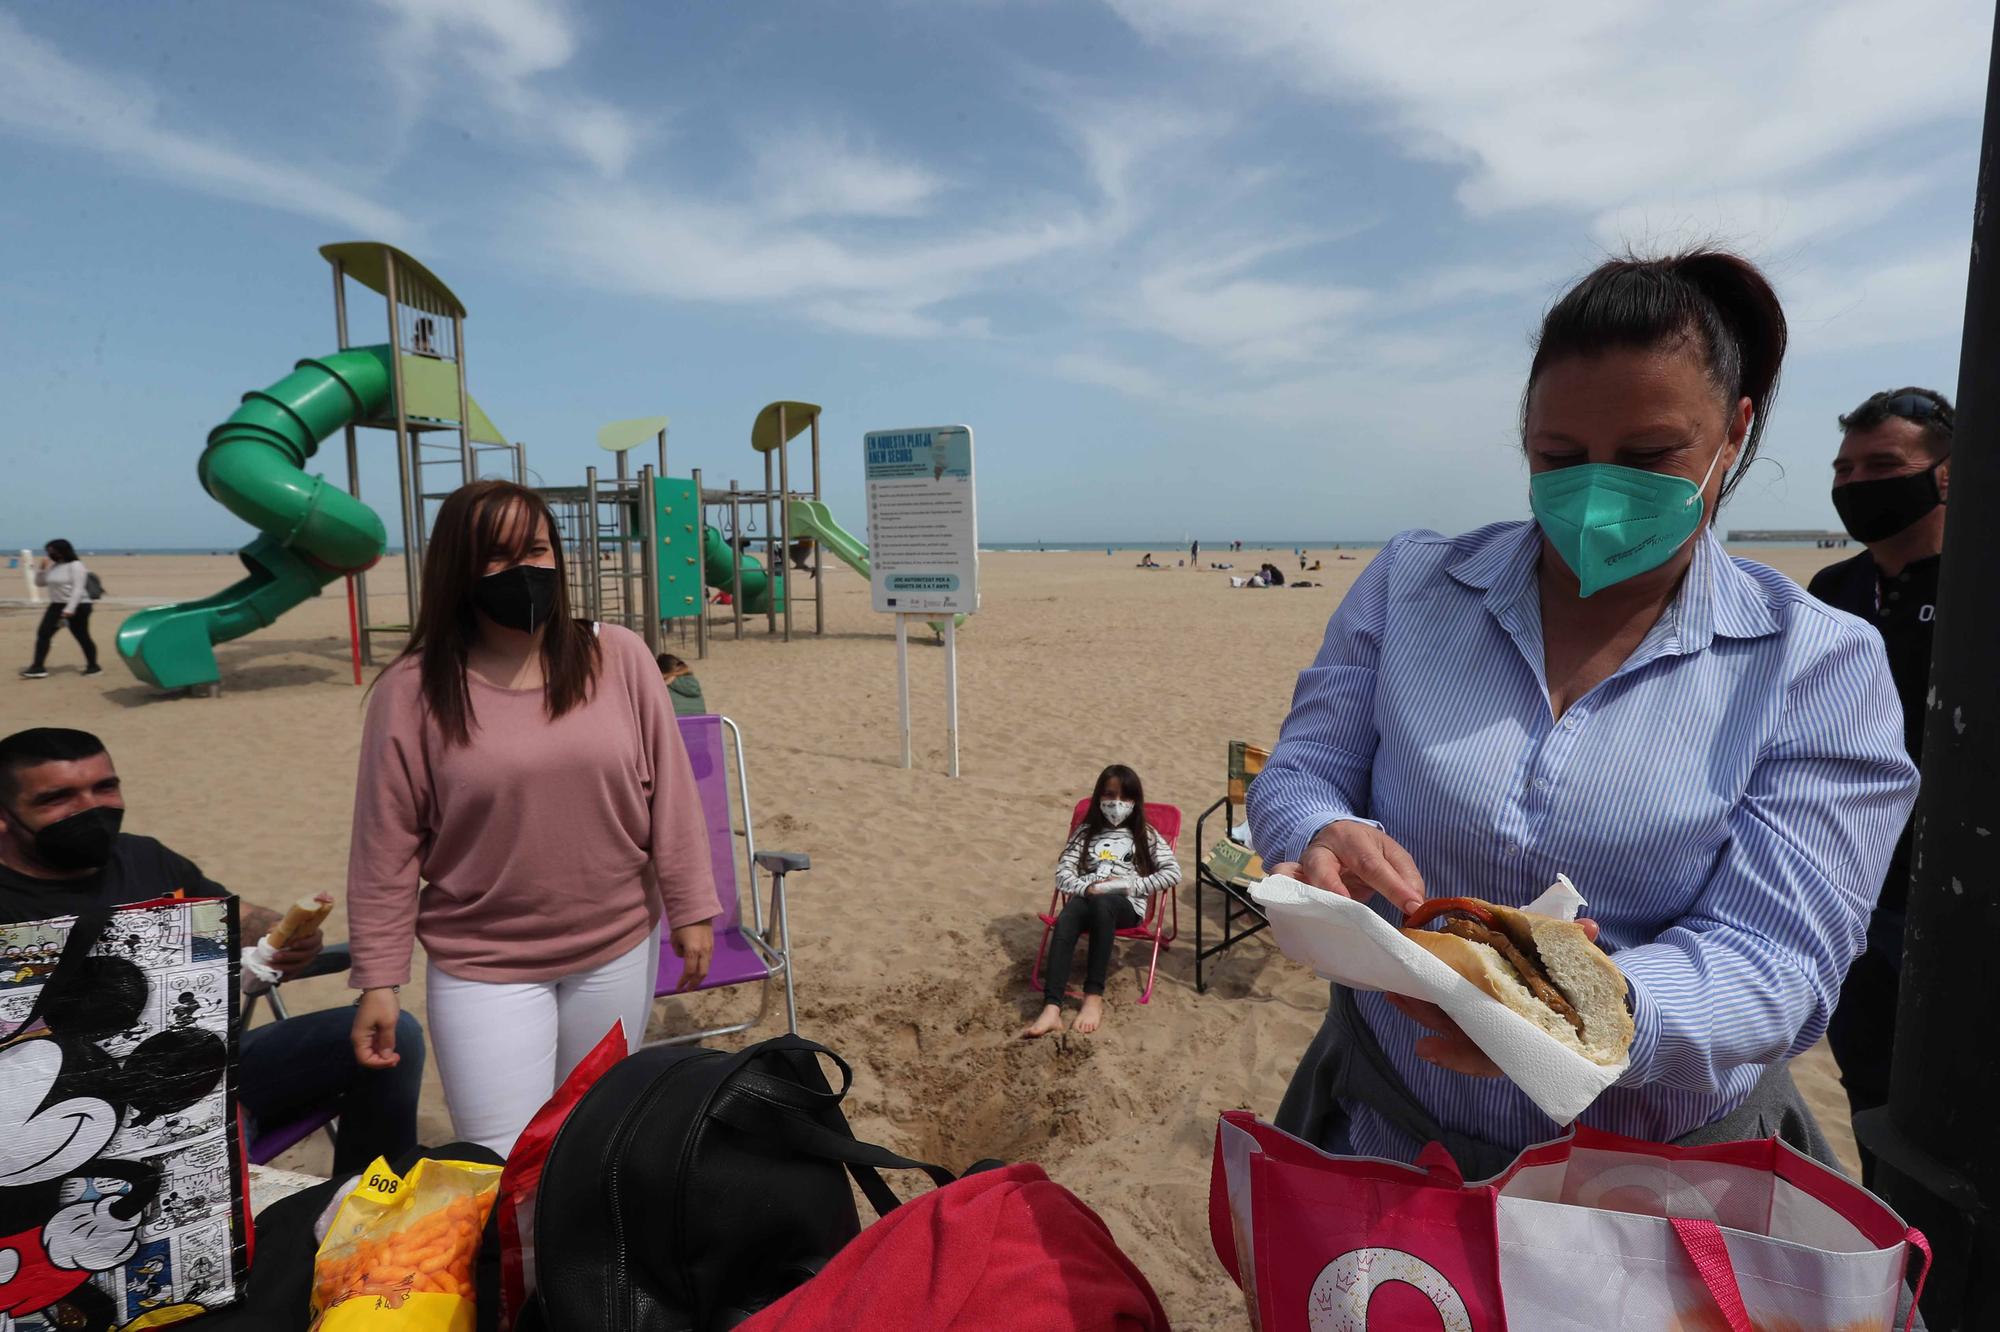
<point>543,847</point>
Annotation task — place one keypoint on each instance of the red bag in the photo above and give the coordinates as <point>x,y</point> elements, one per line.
<point>1003,1249</point>
<point>523,1175</point>
<point>1588,1232</point>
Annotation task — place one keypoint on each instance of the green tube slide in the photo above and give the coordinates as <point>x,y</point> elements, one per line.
<point>715,567</point>
<point>313,532</point>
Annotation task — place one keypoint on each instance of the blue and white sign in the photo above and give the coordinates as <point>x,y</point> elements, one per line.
<point>923,527</point>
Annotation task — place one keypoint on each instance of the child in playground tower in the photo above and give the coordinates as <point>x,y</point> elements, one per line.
<point>524,807</point>
<point>1111,865</point>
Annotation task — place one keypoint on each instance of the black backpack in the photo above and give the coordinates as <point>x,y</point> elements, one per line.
<point>690,1188</point>
<point>93,586</point>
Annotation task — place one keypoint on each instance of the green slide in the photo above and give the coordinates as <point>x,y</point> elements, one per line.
<point>756,582</point>
<point>810,518</point>
<point>313,532</point>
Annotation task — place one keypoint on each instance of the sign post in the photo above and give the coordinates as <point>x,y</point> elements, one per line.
<point>923,535</point>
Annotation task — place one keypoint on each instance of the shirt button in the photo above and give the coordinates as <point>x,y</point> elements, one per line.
<point>1541,783</point>
<point>1513,848</point>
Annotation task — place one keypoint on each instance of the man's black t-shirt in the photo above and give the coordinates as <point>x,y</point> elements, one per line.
<point>141,869</point>
<point>1903,610</point>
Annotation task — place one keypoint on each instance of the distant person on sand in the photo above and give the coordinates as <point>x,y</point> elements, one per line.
<point>681,684</point>
<point>524,807</point>
<point>1891,480</point>
<point>1194,554</point>
<point>68,582</point>
<point>1108,869</point>
<point>1595,689</point>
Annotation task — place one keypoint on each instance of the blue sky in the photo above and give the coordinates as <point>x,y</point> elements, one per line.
<point>1183,265</point>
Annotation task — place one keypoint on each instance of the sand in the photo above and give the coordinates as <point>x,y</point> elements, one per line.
<point>915,928</point>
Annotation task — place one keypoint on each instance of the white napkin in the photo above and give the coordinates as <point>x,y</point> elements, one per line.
<point>1347,942</point>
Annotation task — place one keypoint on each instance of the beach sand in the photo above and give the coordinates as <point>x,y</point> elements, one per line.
<point>915,929</point>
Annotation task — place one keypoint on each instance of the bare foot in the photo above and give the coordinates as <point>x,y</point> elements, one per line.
<point>1092,1016</point>
<point>1048,1024</point>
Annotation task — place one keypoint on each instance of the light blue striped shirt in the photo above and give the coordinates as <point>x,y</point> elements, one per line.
<point>1726,801</point>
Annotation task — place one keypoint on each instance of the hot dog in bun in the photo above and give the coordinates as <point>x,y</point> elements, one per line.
<point>1545,969</point>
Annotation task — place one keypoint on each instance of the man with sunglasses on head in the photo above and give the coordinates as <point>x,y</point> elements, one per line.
<point>1889,484</point>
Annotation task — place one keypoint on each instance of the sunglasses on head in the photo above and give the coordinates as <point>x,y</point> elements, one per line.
<point>1918,407</point>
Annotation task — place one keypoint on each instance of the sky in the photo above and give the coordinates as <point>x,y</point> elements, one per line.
<point>1186,267</point>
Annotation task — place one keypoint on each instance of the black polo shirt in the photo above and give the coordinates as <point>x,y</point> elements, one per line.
<point>1903,609</point>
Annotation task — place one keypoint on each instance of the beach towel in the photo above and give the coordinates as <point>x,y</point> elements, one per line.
<point>1003,1250</point>
<point>1587,1232</point>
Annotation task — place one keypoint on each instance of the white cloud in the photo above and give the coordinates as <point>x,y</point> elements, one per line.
<point>1627,103</point>
<point>45,95</point>
<point>1253,321</point>
<point>1918,297</point>
<point>665,243</point>
<point>856,241</point>
<point>1134,381</point>
<point>505,49</point>
<point>813,173</point>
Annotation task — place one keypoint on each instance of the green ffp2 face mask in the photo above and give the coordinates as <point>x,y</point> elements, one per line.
<point>1610,523</point>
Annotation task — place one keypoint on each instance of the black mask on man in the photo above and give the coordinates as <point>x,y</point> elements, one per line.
<point>81,841</point>
<point>1877,510</point>
<point>522,597</point>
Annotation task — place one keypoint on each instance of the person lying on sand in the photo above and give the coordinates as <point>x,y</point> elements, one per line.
<point>1110,866</point>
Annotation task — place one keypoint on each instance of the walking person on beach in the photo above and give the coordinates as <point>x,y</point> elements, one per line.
<point>1111,865</point>
<point>524,807</point>
<point>1714,756</point>
<point>1890,481</point>
<point>68,582</point>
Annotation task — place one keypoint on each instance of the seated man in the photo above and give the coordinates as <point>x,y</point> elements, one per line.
<point>61,806</point>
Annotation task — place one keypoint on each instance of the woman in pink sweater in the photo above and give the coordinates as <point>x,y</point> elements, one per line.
<point>526,809</point>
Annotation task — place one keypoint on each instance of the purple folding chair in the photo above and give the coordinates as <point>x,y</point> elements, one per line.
<point>761,952</point>
<point>267,1141</point>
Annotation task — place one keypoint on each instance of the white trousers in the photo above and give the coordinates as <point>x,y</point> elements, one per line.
<point>503,1048</point>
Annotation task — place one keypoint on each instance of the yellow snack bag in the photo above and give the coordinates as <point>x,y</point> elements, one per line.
<point>400,1253</point>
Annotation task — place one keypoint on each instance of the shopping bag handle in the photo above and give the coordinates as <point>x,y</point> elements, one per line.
<point>1710,1256</point>
<point>1703,1242</point>
<point>1915,1239</point>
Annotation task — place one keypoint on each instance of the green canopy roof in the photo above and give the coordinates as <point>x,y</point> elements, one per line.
<point>365,262</point>
<point>764,433</point>
<point>618,436</point>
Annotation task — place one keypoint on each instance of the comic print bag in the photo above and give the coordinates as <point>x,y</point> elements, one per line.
<point>1588,1232</point>
<point>122,1180</point>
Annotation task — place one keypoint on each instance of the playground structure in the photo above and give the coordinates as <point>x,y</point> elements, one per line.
<point>640,547</point>
<point>642,552</point>
<point>312,532</point>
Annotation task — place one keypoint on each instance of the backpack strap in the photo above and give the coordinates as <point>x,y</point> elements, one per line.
<point>797,1114</point>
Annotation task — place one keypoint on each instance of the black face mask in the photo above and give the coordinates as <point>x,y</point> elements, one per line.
<point>81,841</point>
<point>1877,510</point>
<point>522,597</point>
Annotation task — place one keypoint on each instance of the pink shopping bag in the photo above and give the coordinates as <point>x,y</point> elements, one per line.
<point>1588,1232</point>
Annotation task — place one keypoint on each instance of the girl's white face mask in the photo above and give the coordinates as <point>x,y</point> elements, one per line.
<point>1115,812</point>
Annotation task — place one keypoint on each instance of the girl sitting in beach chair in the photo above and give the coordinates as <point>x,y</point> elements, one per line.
<point>1112,864</point>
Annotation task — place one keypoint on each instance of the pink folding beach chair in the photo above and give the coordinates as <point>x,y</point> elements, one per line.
<point>1163,913</point>
<point>761,953</point>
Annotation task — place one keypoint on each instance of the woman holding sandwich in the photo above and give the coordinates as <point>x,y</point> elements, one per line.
<point>1712,756</point>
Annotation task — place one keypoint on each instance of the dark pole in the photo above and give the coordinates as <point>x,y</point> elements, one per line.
<point>1938,1139</point>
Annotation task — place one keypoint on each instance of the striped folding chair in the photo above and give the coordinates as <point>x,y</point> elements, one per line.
<point>1225,869</point>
